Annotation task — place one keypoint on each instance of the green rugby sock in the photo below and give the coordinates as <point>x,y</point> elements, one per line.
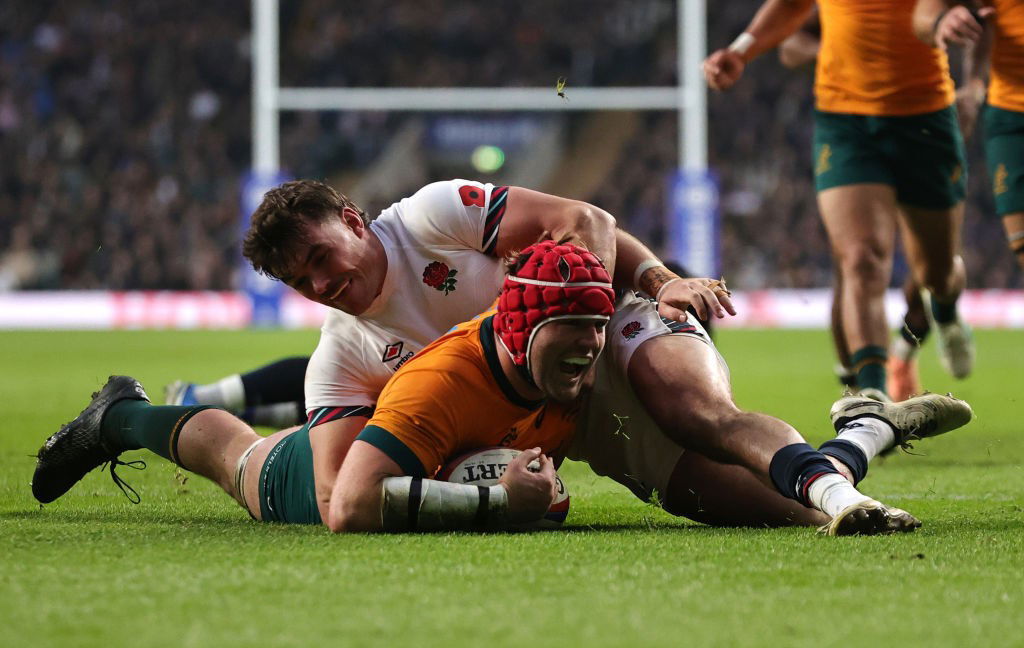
<point>870,363</point>
<point>134,424</point>
<point>872,375</point>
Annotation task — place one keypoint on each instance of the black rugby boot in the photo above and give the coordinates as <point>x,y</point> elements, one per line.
<point>78,446</point>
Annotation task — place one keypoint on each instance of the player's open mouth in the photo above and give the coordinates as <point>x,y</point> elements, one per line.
<point>574,366</point>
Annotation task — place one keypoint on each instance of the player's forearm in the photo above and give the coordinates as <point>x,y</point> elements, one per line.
<point>773,23</point>
<point>415,504</point>
<point>799,49</point>
<point>399,504</point>
<point>638,268</point>
<point>531,215</point>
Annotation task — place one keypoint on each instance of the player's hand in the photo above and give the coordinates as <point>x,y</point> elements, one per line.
<point>706,296</point>
<point>530,492</point>
<point>958,27</point>
<point>968,102</point>
<point>723,69</point>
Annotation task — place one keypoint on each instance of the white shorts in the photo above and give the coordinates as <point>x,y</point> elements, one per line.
<point>616,436</point>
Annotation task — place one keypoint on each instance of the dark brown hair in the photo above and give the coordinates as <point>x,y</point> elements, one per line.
<point>278,224</point>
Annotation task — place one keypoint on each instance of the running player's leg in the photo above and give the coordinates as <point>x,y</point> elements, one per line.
<point>271,395</point>
<point>843,370</point>
<point>860,220</point>
<point>1004,154</point>
<point>1014,226</point>
<point>928,161</point>
<point>932,242</point>
<point>903,381</point>
<point>206,441</point>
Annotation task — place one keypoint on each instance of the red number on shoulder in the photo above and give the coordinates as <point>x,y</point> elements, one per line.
<point>472,195</point>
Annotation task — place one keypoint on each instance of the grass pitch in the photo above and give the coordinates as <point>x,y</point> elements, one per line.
<point>186,567</point>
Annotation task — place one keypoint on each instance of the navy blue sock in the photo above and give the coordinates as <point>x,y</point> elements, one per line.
<point>944,313</point>
<point>795,467</point>
<point>913,334</point>
<point>279,382</point>
<point>850,454</point>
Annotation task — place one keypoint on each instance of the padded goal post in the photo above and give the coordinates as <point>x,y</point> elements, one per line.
<point>694,245</point>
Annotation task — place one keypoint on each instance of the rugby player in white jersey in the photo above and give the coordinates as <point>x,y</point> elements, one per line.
<point>432,260</point>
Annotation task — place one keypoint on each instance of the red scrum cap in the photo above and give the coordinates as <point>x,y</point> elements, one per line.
<point>556,282</point>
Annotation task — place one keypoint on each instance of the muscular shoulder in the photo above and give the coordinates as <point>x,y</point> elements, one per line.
<point>449,213</point>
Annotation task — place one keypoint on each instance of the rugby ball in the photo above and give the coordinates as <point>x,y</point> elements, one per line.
<point>485,467</point>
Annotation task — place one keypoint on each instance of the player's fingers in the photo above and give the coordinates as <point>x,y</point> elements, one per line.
<point>712,77</point>
<point>547,467</point>
<point>709,301</point>
<point>524,458</point>
<point>672,313</point>
<point>986,12</point>
<point>547,473</point>
<point>962,27</point>
<point>969,30</point>
<point>725,301</point>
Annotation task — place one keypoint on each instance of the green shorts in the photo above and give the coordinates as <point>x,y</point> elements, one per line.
<point>920,156</point>
<point>1004,152</point>
<point>287,487</point>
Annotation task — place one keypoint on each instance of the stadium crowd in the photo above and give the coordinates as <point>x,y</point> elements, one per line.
<point>125,126</point>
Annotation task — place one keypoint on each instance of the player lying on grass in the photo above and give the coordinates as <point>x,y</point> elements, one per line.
<point>509,379</point>
<point>272,395</point>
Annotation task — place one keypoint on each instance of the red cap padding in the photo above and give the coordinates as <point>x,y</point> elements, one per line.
<point>557,281</point>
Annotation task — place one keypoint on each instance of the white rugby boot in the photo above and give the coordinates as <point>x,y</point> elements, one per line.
<point>920,417</point>
<point>955,342</point>
<point>870,517</point>
<point>874,394</point>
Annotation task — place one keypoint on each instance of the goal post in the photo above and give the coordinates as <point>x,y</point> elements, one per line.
<point>692,212</point>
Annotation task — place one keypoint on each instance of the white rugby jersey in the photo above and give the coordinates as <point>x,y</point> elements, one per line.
<point>441,271</point>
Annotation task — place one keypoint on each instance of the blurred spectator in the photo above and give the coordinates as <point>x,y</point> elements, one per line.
<point>125,126</point>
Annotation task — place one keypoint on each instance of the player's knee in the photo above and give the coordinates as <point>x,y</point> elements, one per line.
<point>866,265</point>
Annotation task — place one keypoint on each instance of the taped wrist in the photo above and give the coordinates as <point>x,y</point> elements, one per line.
<point>742,43</point>
<point>416,504</point>
<point>642,268</point>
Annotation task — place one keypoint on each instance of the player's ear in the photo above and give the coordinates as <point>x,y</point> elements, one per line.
<point>353,220</point>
